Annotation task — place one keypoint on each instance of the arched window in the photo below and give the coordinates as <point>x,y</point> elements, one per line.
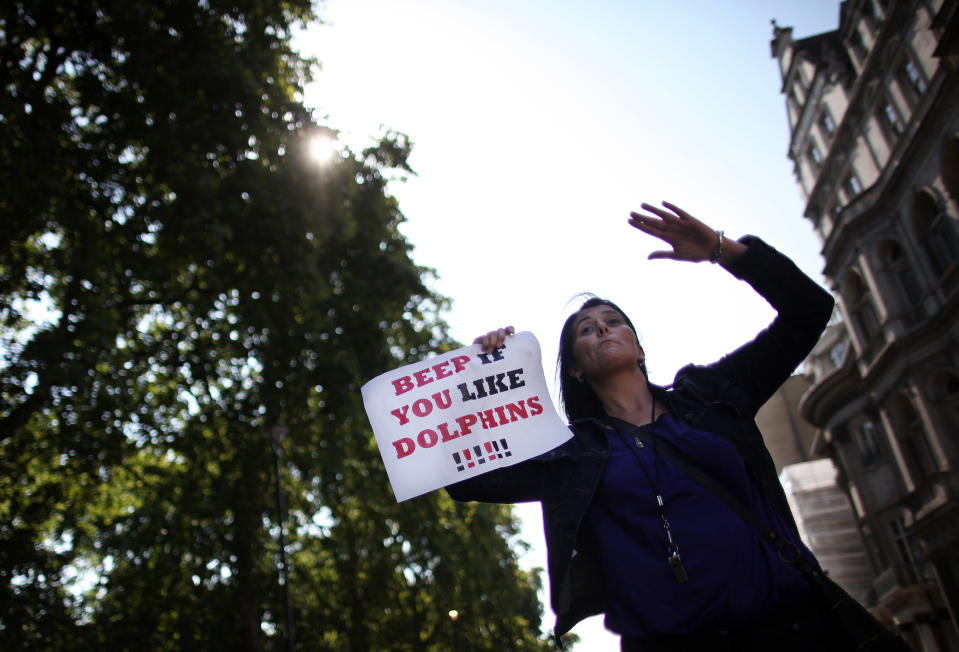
<point>894,259</point>
<point>868,438</point>
<point>935,230</point>
<point>910,552</point>
<point>950,165</point>
<point>913,439</point>
<point>945,392</point>
<point>862,312</point>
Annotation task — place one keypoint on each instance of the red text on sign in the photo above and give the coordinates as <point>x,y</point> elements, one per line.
<point>429,374</point>
<point>492,418</point>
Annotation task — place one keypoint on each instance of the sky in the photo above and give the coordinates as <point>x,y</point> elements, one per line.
<point>538,125</point>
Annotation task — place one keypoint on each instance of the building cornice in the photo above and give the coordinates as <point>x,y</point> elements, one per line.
<point>831,392</point>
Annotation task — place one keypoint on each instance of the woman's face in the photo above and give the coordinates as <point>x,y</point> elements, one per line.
<point>603,342</point>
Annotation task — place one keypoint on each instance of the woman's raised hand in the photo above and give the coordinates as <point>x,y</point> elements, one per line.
<point>494,339</point>
<point>690,239</point>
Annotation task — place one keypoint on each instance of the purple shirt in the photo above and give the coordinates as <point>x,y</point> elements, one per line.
<point>734,575</point>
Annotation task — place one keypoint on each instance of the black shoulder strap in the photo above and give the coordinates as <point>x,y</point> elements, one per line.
<point>788,551</point>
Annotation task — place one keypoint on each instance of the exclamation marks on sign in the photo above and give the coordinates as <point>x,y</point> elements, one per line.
<point>497,450</point>
<point>468,458</point>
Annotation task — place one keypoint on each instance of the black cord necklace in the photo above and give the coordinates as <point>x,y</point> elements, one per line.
<point>672,550</point>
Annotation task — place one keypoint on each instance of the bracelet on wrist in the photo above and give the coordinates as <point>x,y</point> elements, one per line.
<point>714,258</point>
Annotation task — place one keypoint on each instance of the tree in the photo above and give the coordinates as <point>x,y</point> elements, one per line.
<point>177,280</point>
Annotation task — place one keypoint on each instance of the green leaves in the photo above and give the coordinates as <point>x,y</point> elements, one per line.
<point>176,279</point>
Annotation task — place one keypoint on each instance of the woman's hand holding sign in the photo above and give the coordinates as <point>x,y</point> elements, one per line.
<point>494,339</point>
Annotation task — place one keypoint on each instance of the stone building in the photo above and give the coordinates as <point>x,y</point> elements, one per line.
<point>828,525</point>
<point>873,112</point>
<point>826,522</point>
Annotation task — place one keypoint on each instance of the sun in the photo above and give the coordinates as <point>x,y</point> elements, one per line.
<point>322,148</point>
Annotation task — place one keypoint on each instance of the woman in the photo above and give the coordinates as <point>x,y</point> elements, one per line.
<point>629,533</point>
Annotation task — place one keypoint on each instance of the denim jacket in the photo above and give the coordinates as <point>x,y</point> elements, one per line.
<point>721,398</point>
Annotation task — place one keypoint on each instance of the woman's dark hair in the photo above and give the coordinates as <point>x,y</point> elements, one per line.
<point>578,398</point>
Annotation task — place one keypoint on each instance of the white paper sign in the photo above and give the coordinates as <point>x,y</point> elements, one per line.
<point>462,414</point>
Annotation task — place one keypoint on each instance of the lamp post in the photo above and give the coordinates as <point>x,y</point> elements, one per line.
<point>454,614</point>
<point>277,435</point>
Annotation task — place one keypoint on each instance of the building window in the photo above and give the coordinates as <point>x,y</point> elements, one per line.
<point>837,352</point>
<point>913,440</point>
<point>861,310</point>
<point>851,186</point>
<point>935,230</point>
<point>892,117</point>
<point>910,554</point>
<point>950,165</point>
<point>866,437</point>
<point>815,156</point>
<point>891,121</point>
<point>945,392</point>
<point>899,267</point>
<point>918,441</point>
<point>951,393</point>
<point>911,80</point>
<point>826,125</point>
